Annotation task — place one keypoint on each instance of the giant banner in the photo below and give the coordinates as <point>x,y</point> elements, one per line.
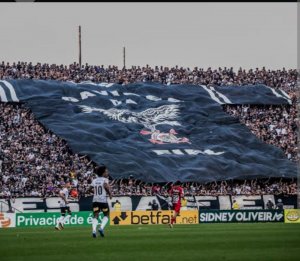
<point>236,216</point>
<point>154,132</point>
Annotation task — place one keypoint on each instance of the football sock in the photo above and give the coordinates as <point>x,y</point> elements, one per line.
<point>67,217</point>
<point>60,220</point>
<point>104,222</point>
<point>94,224</point>
<point>173,220</point>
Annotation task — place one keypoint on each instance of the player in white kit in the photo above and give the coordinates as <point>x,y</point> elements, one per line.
<point>101,191</point>
<point>64,206</point>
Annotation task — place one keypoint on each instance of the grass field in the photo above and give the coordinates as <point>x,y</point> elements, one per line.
<point>257,242</point>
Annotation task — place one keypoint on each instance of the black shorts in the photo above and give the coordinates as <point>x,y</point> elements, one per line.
<point>101,207</point>
<point>63,210</point>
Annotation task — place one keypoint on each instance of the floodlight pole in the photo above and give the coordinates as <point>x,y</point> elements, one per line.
<point>298,108</point>
<point>79,38</point>
<point>124,58</point>
<point>298,133</point>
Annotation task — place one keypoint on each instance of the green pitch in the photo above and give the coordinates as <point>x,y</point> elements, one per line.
<point>157,242</point>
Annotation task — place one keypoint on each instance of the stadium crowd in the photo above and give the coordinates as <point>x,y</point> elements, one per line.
<point>275,125</point>
<point>284,79</point>
<point>128,187</point>
<point>35,162</point>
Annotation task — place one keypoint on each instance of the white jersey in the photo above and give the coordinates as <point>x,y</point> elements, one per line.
<point>64,191</point>
<point>99,190</point>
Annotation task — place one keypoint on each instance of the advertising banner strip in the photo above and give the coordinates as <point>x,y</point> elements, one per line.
<point>7,220</point>
<point>133,203</point>
<point>292,215</point>
<point>235,216</point>
<point>82,218</point>
<point>152,217</point>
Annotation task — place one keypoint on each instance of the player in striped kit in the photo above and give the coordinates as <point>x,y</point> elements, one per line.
<point>64,206</point>
<point>101,191</point>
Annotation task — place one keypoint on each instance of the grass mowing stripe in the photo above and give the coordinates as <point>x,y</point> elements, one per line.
<point>267,241</point>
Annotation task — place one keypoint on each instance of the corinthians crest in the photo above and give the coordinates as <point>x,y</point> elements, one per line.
<point>158,137</point>
<point>149,118</point>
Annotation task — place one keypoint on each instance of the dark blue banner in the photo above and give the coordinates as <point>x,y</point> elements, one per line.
<point>155,132</point>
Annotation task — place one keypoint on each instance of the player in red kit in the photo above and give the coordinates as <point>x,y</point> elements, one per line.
<point>176,193</point>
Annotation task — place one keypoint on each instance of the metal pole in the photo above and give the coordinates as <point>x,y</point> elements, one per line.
<point>298,105</point>
<point>79,45</point>
<point>124,58</point>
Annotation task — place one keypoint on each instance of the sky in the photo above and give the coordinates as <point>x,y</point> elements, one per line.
<point>247,35</point>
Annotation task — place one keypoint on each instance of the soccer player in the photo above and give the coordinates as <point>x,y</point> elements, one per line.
<point>64,206</point>
<point>101,190</point>
<point>176,193</point>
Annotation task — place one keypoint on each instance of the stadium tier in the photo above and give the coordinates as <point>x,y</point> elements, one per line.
<point>219,132</point>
